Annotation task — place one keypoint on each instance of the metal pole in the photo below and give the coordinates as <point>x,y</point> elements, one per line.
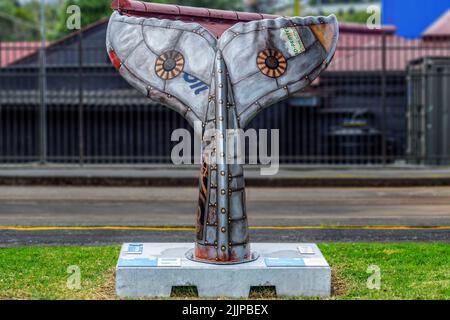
<point>80,100</point>
<point>383,100</point>
<point>42,89</point>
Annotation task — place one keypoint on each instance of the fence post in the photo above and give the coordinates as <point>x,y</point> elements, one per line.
<point>42,90</point>
<point>383,98</point>
<point>80,101</point>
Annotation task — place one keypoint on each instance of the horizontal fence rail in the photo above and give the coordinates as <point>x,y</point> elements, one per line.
<point>370,107</point>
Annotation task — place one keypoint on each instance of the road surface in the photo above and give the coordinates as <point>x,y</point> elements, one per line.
<point>275,214</point>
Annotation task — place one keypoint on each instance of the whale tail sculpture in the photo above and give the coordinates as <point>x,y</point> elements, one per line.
<point>220,69</point>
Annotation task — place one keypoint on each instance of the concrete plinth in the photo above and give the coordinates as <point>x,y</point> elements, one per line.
<point>152,269</point>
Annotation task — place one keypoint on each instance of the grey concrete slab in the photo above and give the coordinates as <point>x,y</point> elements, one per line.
<point>292,271</point>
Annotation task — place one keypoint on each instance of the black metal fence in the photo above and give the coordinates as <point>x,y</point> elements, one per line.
<point>78,110</point>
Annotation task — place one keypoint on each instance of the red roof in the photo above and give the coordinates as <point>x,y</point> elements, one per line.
<point>439,29</point>
<point>362,51</point>
<point>11,52</point>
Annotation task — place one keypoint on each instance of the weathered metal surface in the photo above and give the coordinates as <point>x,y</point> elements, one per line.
<point>219,68</point>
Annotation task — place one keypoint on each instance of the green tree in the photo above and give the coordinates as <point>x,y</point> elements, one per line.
<point>20,22</point>
<point>16,22</point>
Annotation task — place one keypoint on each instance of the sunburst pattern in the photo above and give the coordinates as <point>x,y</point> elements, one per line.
<point>271,63</point>
<point>169,65</point>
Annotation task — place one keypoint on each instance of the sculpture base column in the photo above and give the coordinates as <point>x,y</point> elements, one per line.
<point>293,269</point>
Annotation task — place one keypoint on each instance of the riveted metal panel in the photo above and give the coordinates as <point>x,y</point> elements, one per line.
<point>162,8</point>
<point>199,56</point>
<point>160,39</point>
<point>222,14</point>
<point>240,57</point>
<point>142,63</point>
<point>124,37</point>
<point>211,234</point>
<point>252,89</point>
<point>237,205</point>
<point>237,183</point>
<point>236,170</point>
<point>131,79</point>
<point>303,64</point>
<point>239,231</point>
<point>195,100</point>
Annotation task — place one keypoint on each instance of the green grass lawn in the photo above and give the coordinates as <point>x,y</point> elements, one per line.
<point>408,271</point>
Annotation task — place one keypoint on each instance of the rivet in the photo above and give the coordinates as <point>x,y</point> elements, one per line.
<point>221,118</point>
<point>219,71</point>
<point>221,101</point>
<point>222,191</point>
<point>220,85</point>
<point>222,154</point>
<point>223,248</point>
<point>223,210</point>
<point>223,229</point>
<point>222,173</point>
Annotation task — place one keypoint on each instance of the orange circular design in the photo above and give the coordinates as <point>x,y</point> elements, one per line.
<point>271,63</point>
<point>169,65</point>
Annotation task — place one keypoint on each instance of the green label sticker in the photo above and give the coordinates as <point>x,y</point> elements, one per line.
<point>292,40</point>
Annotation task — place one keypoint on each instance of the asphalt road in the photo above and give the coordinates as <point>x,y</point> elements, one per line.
<point>390,208</point>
